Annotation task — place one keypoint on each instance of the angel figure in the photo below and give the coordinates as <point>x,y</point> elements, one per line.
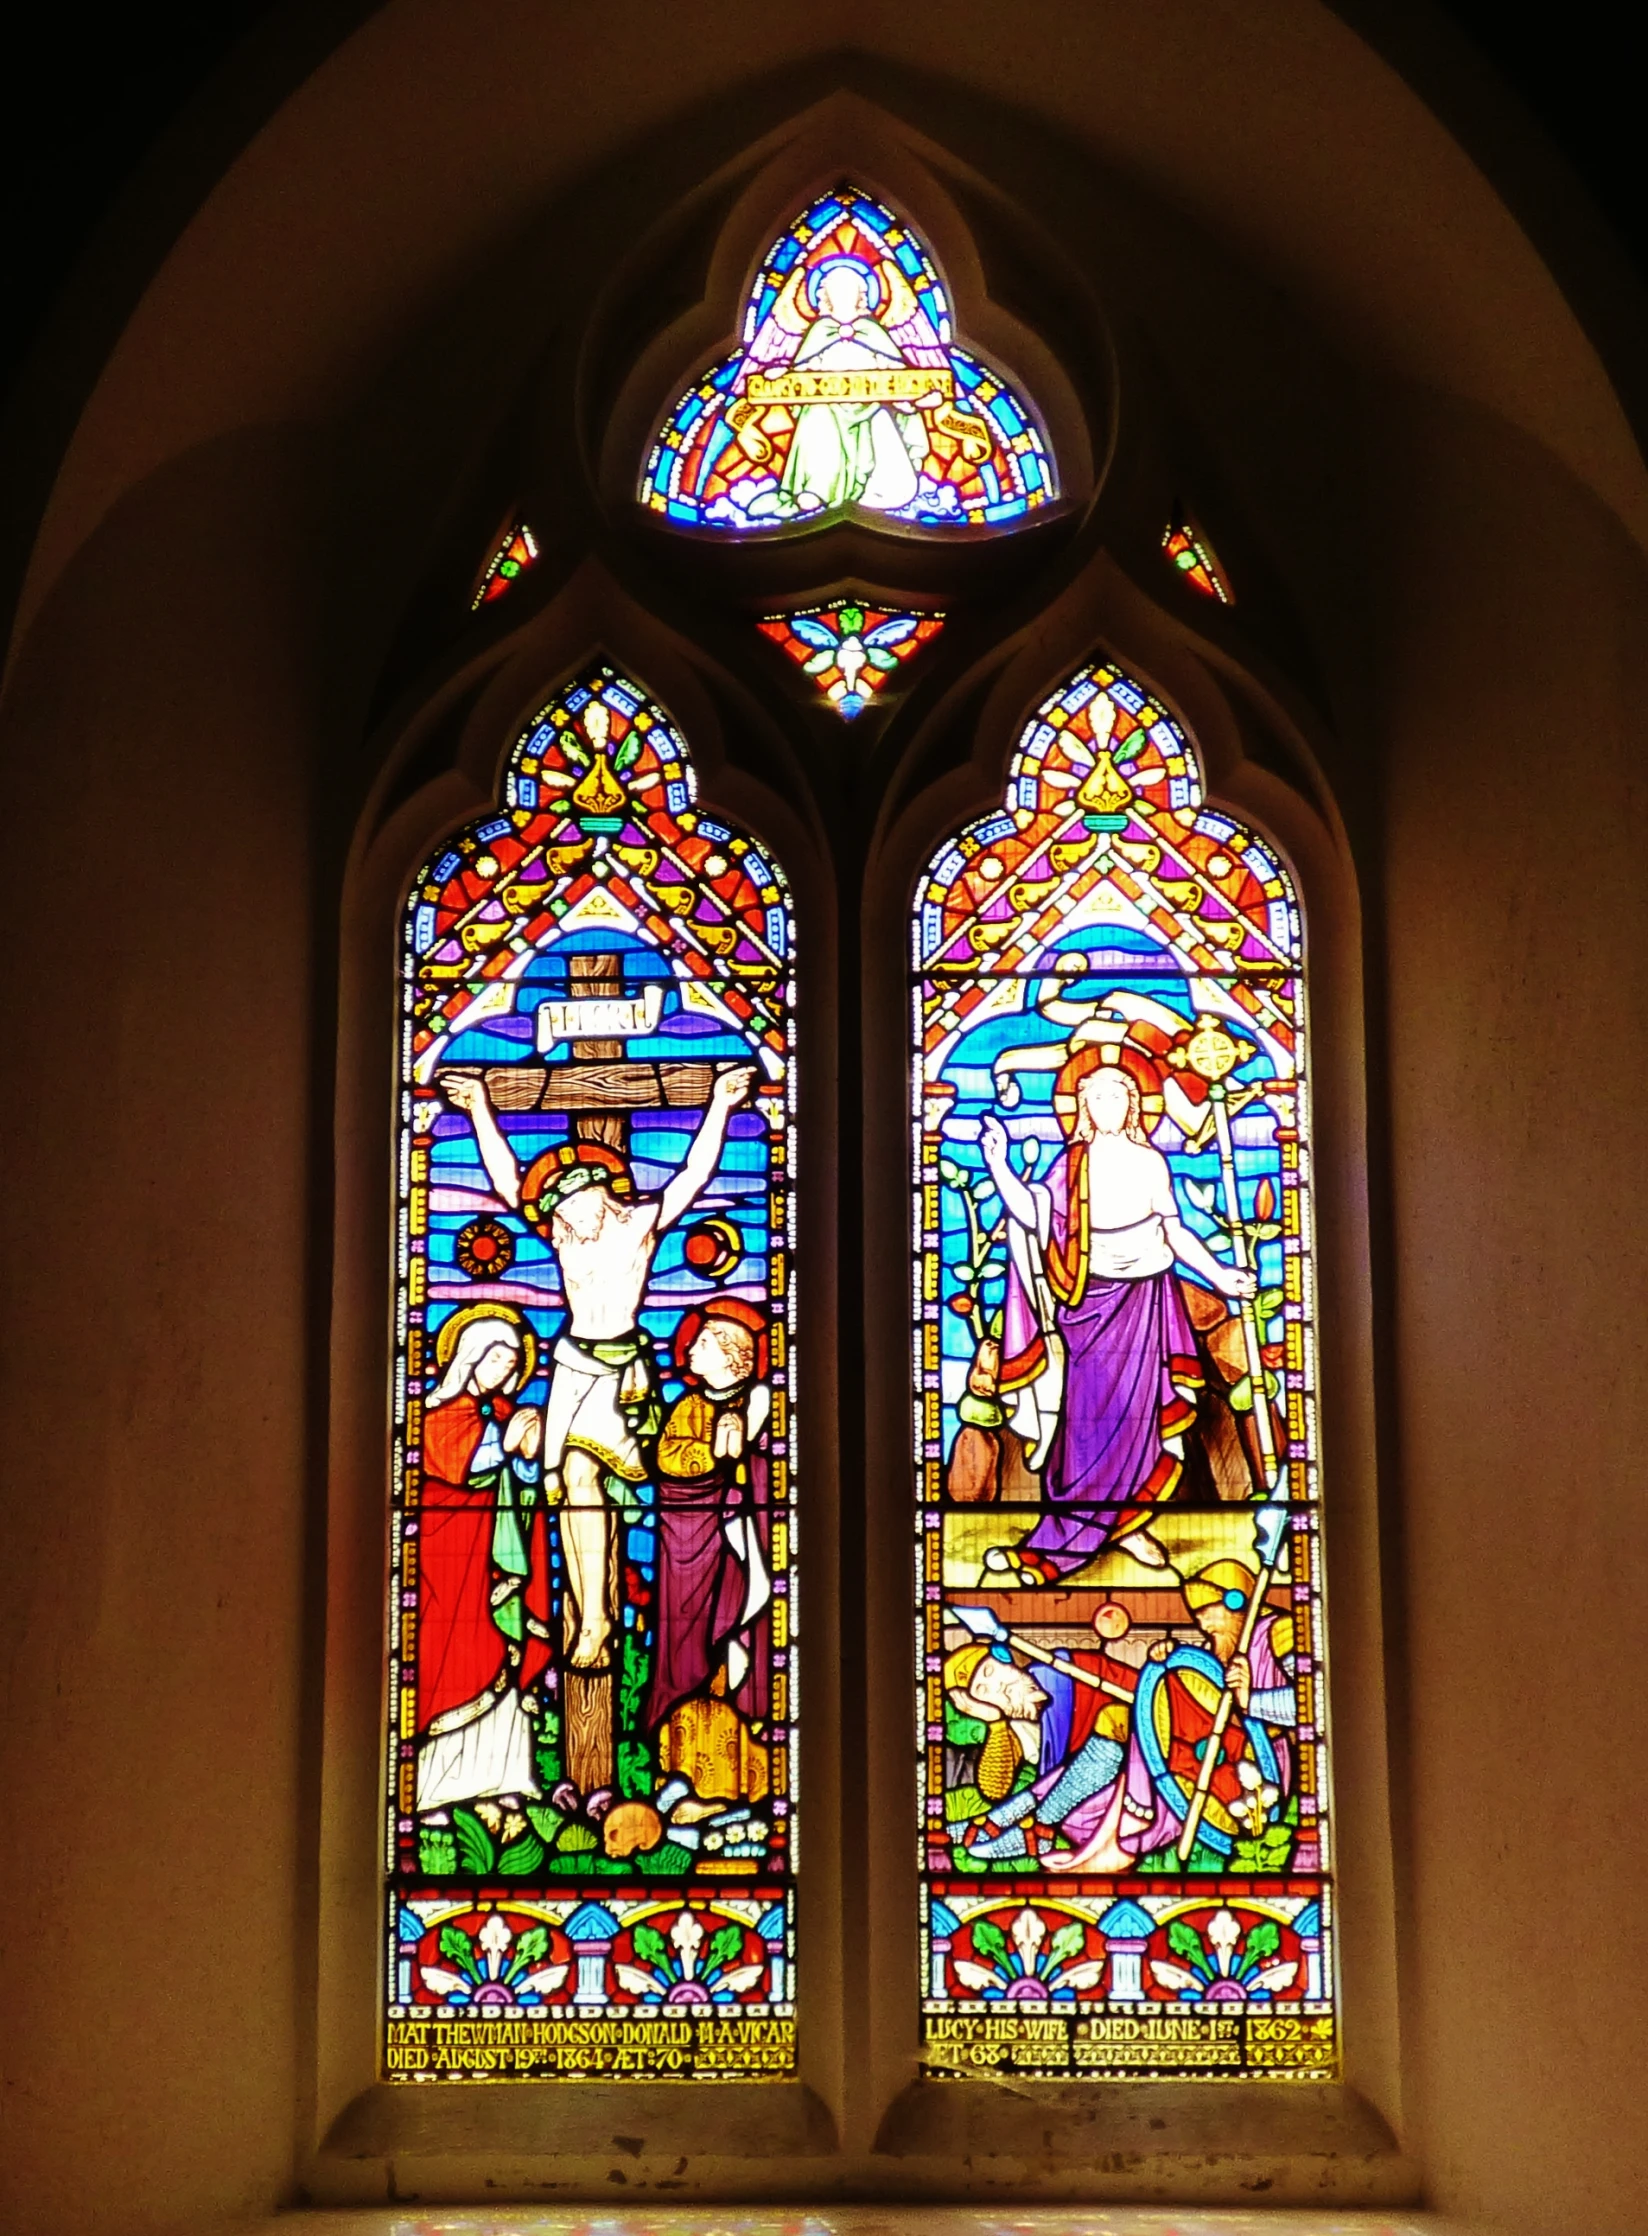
<point>848,392</point>
<point>859,452</point>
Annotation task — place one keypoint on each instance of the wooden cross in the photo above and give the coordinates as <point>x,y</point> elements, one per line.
<point>599,1090</point>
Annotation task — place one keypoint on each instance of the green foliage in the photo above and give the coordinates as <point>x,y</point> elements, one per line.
<point>547,1752</point>
<point>1262,1942</point>
<point>437,1850</point>
<point>960,1730</point>
<point>576,1840</point>
<point>1165,1861</point>
<point>1186,1942</point>
<point>880,659</point>
<point>1202,1196</point>
<point>819,662</point>
<point>962,1803</point>
<point>458,1949</point>
<point>632,1685</point>
<point>851,620</point>
<point>544,1820</point>
<point>522,1856</point>
<point>533,1945</point>
<point>951,1173</point>
<point>650,1945</point>
<point>990,1941</point>
<point>724,1946</point>
<point>635,1772</point>
<point>1240,1395</point>
<point>477,1850</point>
<point>666,1861</point>
<point>1069,1941</point>
<point>1270,1852</point>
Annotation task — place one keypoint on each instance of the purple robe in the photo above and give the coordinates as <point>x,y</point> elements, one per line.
<point>702,1584</point>
<point>1130,1358</point>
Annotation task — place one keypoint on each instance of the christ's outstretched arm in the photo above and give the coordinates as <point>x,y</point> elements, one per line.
<point>1191,1251</point>
<point>468,1094</point>
<point>701,1159</point>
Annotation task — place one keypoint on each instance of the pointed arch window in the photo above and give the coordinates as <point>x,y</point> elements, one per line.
<point>1123,1779</point>
<point>848,392</point>
<point>1122,1865</point>
<point>591,1752</point>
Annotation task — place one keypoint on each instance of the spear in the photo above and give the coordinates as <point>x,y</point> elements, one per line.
<point>1270,1523</point>
<point>985,1624</point>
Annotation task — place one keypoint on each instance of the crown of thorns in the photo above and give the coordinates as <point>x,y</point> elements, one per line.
<point>560,1172</point>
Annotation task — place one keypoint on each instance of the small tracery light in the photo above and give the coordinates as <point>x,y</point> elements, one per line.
<point>1193,556</point>
<point>850,649</point>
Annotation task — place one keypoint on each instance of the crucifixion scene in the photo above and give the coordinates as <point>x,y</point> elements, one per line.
<point>1117,1554</point>
<point>592,1551</point>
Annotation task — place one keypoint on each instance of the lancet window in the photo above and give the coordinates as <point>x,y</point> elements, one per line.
<point>591,1769</point>
<point>1124,1827</point>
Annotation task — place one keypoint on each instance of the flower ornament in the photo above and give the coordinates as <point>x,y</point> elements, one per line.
<point>493,1966</point>
<point>1220,1965</point>
<point>1027,1964</point>
<point>849,649</point>
<point>688,1966</point>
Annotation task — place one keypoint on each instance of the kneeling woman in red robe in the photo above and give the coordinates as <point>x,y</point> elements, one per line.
<point>712,1655</point>
<point>480,1449</point>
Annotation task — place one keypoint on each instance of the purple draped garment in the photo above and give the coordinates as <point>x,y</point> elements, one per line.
<point>701,1589</point>
<point>1130,1351</point>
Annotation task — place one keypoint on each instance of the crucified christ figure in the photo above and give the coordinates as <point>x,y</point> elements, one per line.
<point>601,1385</point>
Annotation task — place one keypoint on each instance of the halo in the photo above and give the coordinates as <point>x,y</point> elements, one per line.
<point>873,289</point>
<point>739,1311</point>
<point>568,1166</point>
<point>1093,1055</point>
<point>446,1338</point>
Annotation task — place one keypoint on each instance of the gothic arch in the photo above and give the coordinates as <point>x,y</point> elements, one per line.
<point>269,383</point>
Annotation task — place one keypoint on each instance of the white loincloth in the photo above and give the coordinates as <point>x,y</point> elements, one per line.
<point>582,1411</point>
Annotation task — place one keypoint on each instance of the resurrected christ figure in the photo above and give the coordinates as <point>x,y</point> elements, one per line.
<point>1096,1329</point>
<point>602,1398</point>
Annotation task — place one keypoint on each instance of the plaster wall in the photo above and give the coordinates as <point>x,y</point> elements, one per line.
<point>1516,932</point>
<point>183,712</point>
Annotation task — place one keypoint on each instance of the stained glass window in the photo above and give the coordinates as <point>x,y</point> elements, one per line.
<point>850,649</point>
<point>1192,554</point>
<point>848,391</point>
<point>517,550</point>
<point>1124,1792</point>
<point>591,1761</point>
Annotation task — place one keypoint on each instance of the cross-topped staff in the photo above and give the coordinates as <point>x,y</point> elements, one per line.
<point>602,1393</point>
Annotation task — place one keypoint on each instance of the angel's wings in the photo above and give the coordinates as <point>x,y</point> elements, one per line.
<point>906,321</point>
<point>781,330</point>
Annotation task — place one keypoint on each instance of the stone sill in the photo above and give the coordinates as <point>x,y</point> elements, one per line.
<point>632,2143</point>
<point>867,2220</point>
